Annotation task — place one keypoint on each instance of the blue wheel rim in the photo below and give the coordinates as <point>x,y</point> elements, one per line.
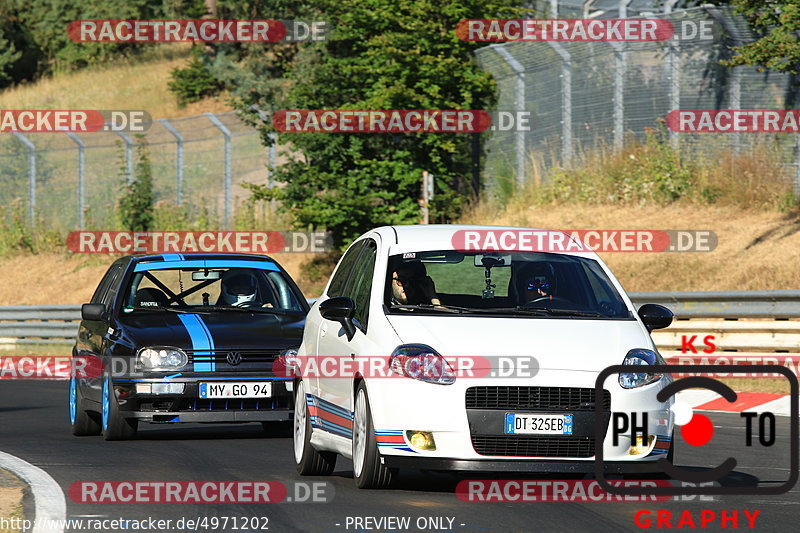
<point>106,402</point>
<point>73,400</point>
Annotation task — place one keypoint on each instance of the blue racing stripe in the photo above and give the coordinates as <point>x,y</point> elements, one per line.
<point>202,344</point>
<point>205,263</point>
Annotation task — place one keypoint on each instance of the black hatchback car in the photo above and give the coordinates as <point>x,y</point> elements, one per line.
<point>172,338</point>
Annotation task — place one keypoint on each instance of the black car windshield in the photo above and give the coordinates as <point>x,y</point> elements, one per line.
<point>210,289</point>
<point>552,285</point>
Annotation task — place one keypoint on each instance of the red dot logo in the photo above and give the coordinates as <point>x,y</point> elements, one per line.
<point>698,431</point>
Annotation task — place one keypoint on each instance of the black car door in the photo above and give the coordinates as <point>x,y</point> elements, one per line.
<point>92,334</point>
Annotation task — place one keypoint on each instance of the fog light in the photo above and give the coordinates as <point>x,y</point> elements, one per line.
<point>640,448</point>
<point>168,388</point>
<point>160,388</point>
<point>421,439</point>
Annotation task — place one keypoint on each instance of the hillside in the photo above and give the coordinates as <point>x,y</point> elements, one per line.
<point>132,84</point>
<point>757,250</point>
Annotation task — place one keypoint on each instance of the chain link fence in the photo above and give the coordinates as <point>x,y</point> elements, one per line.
<point>62,181</point>
<point>588,95</point>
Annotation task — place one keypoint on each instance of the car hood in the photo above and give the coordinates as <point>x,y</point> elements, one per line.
<point>557,344</point>
<point>228,329</point>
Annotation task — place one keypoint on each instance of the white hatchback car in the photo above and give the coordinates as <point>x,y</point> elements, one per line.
<point>411,299</point>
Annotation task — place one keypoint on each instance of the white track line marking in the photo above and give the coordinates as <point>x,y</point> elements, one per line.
<point>48,498</point>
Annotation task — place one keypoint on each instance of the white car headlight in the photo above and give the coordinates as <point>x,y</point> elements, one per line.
<point>419,361</point>
<point>161,359</point>
<point>640,357</point>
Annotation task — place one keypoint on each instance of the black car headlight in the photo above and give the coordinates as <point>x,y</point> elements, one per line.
<point>161,358</point>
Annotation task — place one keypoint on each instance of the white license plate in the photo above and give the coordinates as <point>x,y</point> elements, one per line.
<point>533,424</point>
<point>236,389</point>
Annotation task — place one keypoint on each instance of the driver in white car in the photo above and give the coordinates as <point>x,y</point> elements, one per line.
<point>541,282</point>
<point>411,285</point>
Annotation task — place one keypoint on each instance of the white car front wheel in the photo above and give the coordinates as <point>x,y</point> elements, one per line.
<point>368,471</point>
<point>308,461</point>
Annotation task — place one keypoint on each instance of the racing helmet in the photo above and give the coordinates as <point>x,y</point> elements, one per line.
<point>238,287</point>
<point>540,278</point>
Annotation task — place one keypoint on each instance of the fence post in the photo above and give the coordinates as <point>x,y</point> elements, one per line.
<point>128,156</point>
<point>79,142</point>
<point>519,135</point>
<point>620,72</point>
<point>797,169</point>
<point>566,101</point>
<point>31,176</point>
<point>178,158</point>
<point>228,178</point>
<point>673,61</point>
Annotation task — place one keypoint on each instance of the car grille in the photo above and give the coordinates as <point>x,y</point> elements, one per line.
<point>248,404</point>
<point>248,355</point>
<point>533,446</point>
<point>535,398</point>
<point>206,405</point>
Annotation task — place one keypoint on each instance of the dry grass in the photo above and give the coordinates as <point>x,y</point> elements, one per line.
<point>756,249</point>
<point>62,278</point>
<point>138,83</point>
<point>11,492</point>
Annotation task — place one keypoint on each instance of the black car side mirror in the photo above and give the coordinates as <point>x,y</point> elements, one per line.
<point>655,316</point>
<point>93,311</point>
<point>340,309</point>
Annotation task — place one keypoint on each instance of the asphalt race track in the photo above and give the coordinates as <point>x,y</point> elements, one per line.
<point>33,427</point>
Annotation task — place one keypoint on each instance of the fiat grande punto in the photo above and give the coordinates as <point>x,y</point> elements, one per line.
<point>418,302</point>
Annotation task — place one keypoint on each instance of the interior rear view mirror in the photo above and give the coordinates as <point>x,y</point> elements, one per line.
<point>205,275</point>
<point>492,260</point>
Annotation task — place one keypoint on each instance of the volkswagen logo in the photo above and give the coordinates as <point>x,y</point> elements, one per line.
<point>234,358</point>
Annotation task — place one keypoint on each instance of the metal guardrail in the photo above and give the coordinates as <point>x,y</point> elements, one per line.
<point>41,324</point>
<point>725,304</point>
<point>48,324</point>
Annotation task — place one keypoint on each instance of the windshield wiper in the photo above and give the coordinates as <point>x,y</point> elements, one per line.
<point>430,307</point>
<point>563,312</point>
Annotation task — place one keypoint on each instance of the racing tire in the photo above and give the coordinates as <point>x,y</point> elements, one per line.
<point>82,423</point>
<point>114,425</point>
<point>307,460</point>
<point>368,471</point>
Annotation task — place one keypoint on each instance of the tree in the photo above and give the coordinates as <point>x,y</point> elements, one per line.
<point>381,55</point>
<point>136,203</point>
<point>778,24</point>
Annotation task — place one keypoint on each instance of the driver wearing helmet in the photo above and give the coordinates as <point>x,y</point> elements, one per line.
<point>540,283</point>
<point>239,289</point>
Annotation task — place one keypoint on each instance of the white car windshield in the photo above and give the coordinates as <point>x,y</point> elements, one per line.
<point>521,283</point>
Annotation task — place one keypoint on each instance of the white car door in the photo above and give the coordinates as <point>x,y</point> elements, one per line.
<point>335,351</point>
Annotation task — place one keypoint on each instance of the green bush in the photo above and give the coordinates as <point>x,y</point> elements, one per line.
<point>135,207</point>
<point>194,82</point>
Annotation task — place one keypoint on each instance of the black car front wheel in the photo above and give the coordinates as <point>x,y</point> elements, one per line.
<point>115,426</point>
<point>81,421</point>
